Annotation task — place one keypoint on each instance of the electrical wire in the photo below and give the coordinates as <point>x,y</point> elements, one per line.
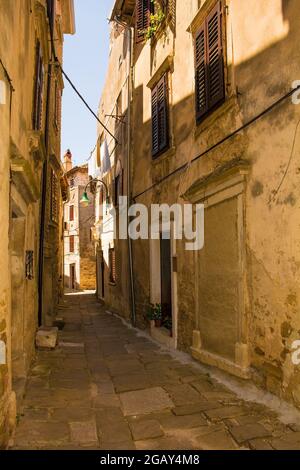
<point>220,142</point>
<point>289,162</point>
<point>7,76</point>
<point>57,62</point>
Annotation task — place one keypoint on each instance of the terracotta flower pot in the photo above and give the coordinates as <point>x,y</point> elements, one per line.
<point>157,323</point>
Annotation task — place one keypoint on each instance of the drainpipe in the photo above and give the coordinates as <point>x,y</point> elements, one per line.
<point>44,196</point>
<point>130,91</point>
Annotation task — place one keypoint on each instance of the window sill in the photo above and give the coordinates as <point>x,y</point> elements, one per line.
<point>163,155</point>
<point>53,224</point>
<point>216,114</point>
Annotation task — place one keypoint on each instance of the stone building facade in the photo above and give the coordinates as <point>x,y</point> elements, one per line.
<point>109,166</point>
<point>79,251</point>
<point>32,185</point>
<point>213,121</point>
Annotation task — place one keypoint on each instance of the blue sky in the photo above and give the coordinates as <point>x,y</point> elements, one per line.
<point>85,61</point>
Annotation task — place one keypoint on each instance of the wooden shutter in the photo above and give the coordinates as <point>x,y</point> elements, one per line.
<point>143,9</point>
<point>57,105</point>
<point>112,265</point>
<point>215,61</point>
<point>162,113</point>
<point>54,197</point>
<point>71,218</point>
<point>201,73</point>
<point>209,63</point>
<point>51,12</point>
<point>155,142</point>
<point>38,92</point>
<point>72,244</point>
<point>160,133</point>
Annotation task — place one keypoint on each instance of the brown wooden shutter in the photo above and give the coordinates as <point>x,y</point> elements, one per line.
<point>160,132</point>
<point>72,244</point>
<point>143,8</point>
<point>38,92</point>
<point>162,113</point>
<point>215,61</point>
<point>209,63</point>
<point>54,197</point>
<point>71,218</point>
<point>201,73</point>
<point>51,12</point>
<point>112,265</point>
<point>155,142</point>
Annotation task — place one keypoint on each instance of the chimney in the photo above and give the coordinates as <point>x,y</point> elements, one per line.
<point>68,165</point>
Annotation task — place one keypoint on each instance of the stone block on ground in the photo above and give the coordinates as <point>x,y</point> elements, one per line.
<point>46,338</point>
<point>225,412</point>
<point>145,401</point>
<point>145,429</point>
<point>194,408</point>
<point>247,432</point>
<point>84,432</point>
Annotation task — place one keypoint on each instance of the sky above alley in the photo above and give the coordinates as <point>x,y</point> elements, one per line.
<point>85,61</point>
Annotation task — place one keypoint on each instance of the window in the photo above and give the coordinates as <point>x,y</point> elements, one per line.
<point>51,12</point>
<point>54,197</point>
<point>71,214</point>
<point>37,117</point>
<point>57,106</point>
<point>209,62</point>
<point>112,266</point>
<point>143,8</point>
<point>72,182</point>
<point>72,244</point>
<point>160,131</point>
<point>29,265</point>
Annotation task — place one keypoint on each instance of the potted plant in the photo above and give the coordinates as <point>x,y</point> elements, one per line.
<point>155,314</point>
<point>168,325</point>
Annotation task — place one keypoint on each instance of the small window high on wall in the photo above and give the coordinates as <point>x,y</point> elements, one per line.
<point>209,63</point>
<point>160,119</point>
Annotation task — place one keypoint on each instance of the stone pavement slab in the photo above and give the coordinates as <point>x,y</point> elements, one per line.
<point>145,401</point>
<point>107,387</point>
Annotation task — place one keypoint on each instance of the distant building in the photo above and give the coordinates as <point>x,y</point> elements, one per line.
<point>79,258</point>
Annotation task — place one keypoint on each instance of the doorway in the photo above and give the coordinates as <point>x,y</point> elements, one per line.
<point>163,286</point>
<point>100,275</point>
<point>73,277</point>
<point>166,281</point>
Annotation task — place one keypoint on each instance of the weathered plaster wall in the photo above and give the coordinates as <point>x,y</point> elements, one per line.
<point>114,100</point>
<point>23,153</point>
<point>262,62</point>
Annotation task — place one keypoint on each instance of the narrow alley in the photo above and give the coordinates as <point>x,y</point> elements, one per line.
<point>108,387</point>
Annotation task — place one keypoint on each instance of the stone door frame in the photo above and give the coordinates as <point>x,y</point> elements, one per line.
<point>155,287</point>
<point>211,191</point>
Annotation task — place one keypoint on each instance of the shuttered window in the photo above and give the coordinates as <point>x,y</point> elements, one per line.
<point>51,12</point>
<point>112,265</point>
<point>71,218</point>
<point>160,128</point>
<point>54,198</point>
<point>143,10</point>
<point>72,244</point>
<point>38,89</point>
<point>57,106</point>
<point>209,62</point>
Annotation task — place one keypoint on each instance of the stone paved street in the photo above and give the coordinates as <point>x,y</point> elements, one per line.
<point>107,387</point>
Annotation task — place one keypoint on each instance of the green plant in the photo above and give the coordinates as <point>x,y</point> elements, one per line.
<point>156,19</point>
<point>168,323</point>
<point>155,312</point>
